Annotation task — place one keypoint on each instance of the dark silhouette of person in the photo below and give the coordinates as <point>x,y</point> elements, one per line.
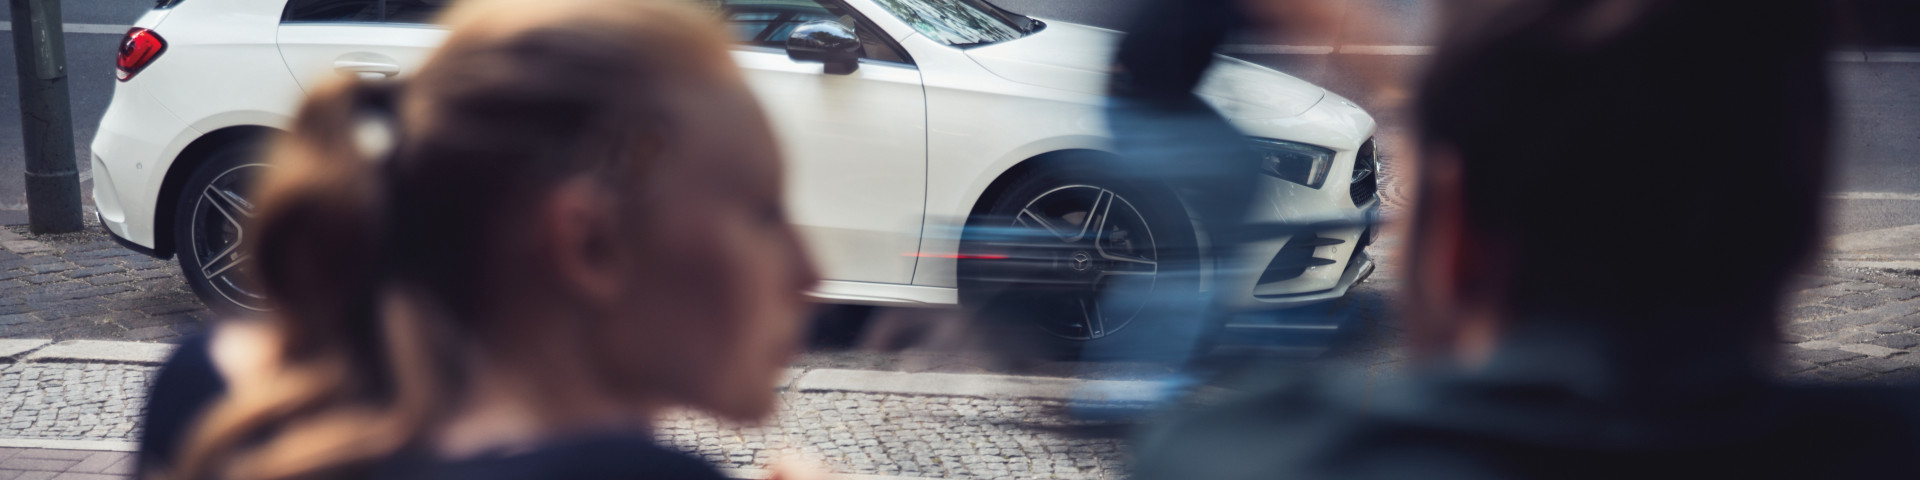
<point>1611,197</point>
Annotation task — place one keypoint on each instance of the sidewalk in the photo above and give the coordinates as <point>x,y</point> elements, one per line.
<point>70,410</point>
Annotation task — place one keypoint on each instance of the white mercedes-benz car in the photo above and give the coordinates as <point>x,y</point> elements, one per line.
<point>901,119</point>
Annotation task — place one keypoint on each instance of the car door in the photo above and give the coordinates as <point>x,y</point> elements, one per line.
<point>321,40</point>
<point>855,144</point>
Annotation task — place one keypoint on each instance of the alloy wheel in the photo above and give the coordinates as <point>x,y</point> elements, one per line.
<point>219,236</point>
<point>1093,241</point>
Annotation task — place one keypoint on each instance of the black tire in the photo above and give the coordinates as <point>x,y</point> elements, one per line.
<point>1019,284</point>
<point>209,229</point>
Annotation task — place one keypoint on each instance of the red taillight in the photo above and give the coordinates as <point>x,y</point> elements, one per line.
<point>137,50</point>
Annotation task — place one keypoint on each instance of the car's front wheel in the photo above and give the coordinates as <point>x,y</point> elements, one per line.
<point>1086,263</point>
<point>209,229</point>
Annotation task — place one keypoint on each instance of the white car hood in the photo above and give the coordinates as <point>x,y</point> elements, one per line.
<point>1077,58</point>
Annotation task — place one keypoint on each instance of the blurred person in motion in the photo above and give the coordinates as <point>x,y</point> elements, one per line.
<point>1166,133</point>
<point>506,264</point>
<point>1611,199</point>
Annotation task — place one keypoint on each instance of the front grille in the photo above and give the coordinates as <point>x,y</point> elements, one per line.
<point>1366,176</point>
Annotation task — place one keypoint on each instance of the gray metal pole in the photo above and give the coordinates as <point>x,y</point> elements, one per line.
<point>46,117</point>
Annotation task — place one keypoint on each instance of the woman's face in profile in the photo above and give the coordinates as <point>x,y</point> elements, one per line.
<point>719,281</point>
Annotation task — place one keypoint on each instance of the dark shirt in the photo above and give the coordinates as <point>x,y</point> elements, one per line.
<point>189,383</point>
<point>1555,405</point>
<point>1169,44</point>
<point>186,385</point>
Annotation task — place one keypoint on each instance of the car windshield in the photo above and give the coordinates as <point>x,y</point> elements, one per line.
<point>961,22</point>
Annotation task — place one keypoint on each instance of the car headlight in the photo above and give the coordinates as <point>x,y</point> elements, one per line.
<point>1294,162</point>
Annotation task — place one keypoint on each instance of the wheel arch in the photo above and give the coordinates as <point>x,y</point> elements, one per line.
<point>183,166</point>
<point>1001,182</point>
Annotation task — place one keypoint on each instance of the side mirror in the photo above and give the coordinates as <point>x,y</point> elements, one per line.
<point>828,42</point>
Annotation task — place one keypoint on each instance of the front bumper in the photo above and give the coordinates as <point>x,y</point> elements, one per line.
<point>128,244</point>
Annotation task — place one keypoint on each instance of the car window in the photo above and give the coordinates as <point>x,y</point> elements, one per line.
<point>767,23</point>
<point>368,11</point>
<point>413,11</point>
<point>961,22</point>
<point>331,11</point>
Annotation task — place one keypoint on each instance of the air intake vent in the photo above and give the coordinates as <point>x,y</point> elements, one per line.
<point>1296,257</point>
<point>1366,176</point>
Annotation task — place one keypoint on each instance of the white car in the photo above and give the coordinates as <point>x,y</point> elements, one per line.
<point>946,110</point>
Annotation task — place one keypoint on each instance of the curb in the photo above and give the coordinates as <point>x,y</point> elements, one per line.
<point>974,385</point>
<point>758,474</point>
<point>88,445</point>
<point>40,350</point>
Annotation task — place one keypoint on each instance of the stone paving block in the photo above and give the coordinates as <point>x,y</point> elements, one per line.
<point>156,332</point>
<point>180,307</point>
<point>46,268</point>
<point>1897,294</point>
<point>1880,313</point>
<point>1857,336</point>
<point>40,464</point>
<point>98,462</point>
<point>1891,327</point>
<point>54,454</point>
<point>1882,365</point>
<point>1820,345</point>
<point>1902,341</point>
<point>1822,357</point>
<point>124,467</point>
<point>1813,329</point>
<point>1857,301</point>
<point>94,271</point>
<point>108,279</point>
<point>1870,350</point>
<point>1813,312</point>
<point>1842,373</point>
<point>8,474</point>
<point>99,351</point>
<point>1857,286</point>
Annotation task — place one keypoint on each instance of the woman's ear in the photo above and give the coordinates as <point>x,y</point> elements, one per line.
<point>581,235</point>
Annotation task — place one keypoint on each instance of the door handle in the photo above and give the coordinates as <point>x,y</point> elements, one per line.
<point>366,70</point>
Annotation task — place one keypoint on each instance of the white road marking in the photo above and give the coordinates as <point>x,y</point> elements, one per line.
<point>100,28</point>
<point>1875,196</point>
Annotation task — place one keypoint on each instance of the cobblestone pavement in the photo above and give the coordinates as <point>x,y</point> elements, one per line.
<point>905,435</point>
<point>885,434</point>
<point>72,401</point>
<point>85,286</point>
<point>1854,325</point>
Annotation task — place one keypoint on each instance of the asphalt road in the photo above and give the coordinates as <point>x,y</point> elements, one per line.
<point>1877,178</point>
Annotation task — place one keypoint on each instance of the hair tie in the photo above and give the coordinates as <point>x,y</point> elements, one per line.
<point>375,128</point>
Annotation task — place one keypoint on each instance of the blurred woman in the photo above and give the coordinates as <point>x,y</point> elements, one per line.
<point>504,265</point>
